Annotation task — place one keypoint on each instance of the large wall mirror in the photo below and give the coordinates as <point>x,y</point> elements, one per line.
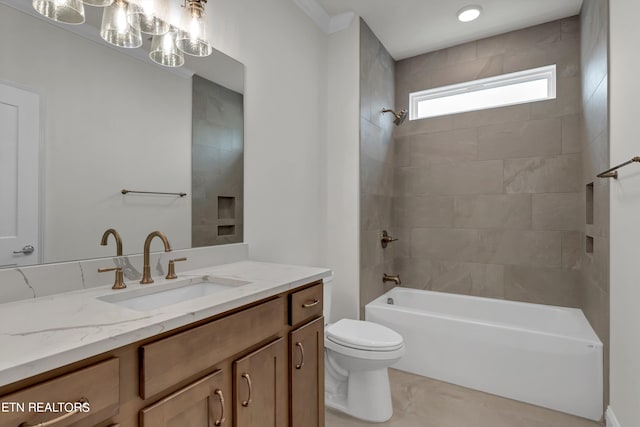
<point>109,119</point>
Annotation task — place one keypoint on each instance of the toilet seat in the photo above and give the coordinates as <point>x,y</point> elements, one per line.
<point>363,335</point>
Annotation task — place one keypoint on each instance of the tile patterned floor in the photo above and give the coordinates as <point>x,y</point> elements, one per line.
<point>423,402</point>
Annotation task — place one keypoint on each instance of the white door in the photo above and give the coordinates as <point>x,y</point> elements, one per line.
<point>19,176</point>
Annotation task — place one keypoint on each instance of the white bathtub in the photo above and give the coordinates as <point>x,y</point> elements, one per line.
<point>544,355</point>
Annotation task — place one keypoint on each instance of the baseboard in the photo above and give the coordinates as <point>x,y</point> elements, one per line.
<point>610,418</point>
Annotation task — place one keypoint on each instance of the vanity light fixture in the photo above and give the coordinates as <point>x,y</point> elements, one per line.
<point>164,50</point>
<point>116,29</point>
<point>469,13</point>
<point>65,11</point>
<point>192,39</point>
<point>144,17</point>
<point>123,24</point>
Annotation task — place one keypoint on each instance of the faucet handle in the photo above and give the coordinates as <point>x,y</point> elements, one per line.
<point>171,274</point>
<point>119,280</point>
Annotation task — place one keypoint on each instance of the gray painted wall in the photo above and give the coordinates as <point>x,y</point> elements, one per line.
<point>217,164</point>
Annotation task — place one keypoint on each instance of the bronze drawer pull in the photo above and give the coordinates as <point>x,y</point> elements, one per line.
<point>246,376</point>
<point>301,364</point>
<point>55,421</point>
<point>220,420</point>
<point>311,304</point>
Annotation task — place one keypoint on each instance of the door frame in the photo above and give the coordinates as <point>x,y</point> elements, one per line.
<point>41,163</point>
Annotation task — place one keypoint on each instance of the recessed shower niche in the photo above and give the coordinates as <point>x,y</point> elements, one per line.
<point>226,216</point>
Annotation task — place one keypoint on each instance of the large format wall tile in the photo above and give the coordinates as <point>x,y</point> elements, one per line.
<point>423,211</point>
<point>507,211</point>
<point>451,179</point>
<point>441,147</point>
<point>542,174</point>
<point>465,178</point>
<point>553,286</point>
<point>446,244</point>
<point>473,70</point>
<point>573,243</point>
<point>571,134</point>
<point>525,139</point>
<point>595,111</point>
<point>484,280</point>
<point>567,100</point>
<point>492,116</point>
<point>414,272</point>
<point>376,162</point>
<point>525,248</point>
<point>378,142</point>
<point>556,211</point>
<point>431,125</point>
<point>595,159</point>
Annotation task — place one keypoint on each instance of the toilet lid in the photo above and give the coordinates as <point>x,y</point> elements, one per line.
<point>364,335</point>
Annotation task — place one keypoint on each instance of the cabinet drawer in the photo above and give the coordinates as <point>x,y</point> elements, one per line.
<point>171,360</point>
<point>97,384</point>
<point>305,304</point>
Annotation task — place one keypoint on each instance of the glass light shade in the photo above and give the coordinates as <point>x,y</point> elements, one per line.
<point>98,3</point>
<point>115,27</point>
<point>165,52</point>
<point>143,17</point>
<point>66,11</point>
<point>192,38</point>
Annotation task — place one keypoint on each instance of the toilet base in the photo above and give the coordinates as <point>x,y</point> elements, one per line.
<point>368,396</point>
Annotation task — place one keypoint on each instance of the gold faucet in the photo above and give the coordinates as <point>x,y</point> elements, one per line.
<point>116,236</point>
<point>146,274</point>
<point>395,279</point>
<point>119,282</point>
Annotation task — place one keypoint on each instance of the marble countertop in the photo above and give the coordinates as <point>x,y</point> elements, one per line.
<point>45,333</point>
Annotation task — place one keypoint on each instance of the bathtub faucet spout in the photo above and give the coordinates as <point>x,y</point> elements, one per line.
<point>395,279</point>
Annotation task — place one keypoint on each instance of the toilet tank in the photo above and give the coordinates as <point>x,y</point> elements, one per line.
<point>326,298</point>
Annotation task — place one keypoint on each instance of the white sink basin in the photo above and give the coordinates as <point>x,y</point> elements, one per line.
<point>156,296</point>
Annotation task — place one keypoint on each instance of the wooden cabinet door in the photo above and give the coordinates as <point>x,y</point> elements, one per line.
<point>306,370</point>
<point>200,404</point>
<point>260,387</point>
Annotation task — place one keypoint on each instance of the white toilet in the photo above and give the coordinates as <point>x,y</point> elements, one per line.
<point>357,355</point>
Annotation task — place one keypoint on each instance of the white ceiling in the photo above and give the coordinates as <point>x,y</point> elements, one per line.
<point>411,27</point>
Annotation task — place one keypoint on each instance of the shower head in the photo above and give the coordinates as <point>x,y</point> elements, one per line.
<point>400,117</point>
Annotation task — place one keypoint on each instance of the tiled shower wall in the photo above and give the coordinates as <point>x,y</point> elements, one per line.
<point>217,164</point>
<point>376,163</point>
<point>489,203</point>
<point>595,159</point>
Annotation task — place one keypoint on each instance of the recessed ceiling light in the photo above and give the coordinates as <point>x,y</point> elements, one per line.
<point>469,13</point>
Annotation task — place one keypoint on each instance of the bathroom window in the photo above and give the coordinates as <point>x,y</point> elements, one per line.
<point>537,84</point>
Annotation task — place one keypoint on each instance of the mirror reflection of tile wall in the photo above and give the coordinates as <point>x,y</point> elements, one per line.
<point>217,164</point>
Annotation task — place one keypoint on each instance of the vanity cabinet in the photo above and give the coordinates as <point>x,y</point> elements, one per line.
<point>259,365</point>
<point>95,386</point>
<point>261,387</point>
<point>201,404</point>
<point>306,373</point>
<point>173,359</point>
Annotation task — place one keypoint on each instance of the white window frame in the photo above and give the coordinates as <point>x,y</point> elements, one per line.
<point>548,72</point>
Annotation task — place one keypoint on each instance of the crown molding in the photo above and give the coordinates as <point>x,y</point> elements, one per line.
<point>327,23</point>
